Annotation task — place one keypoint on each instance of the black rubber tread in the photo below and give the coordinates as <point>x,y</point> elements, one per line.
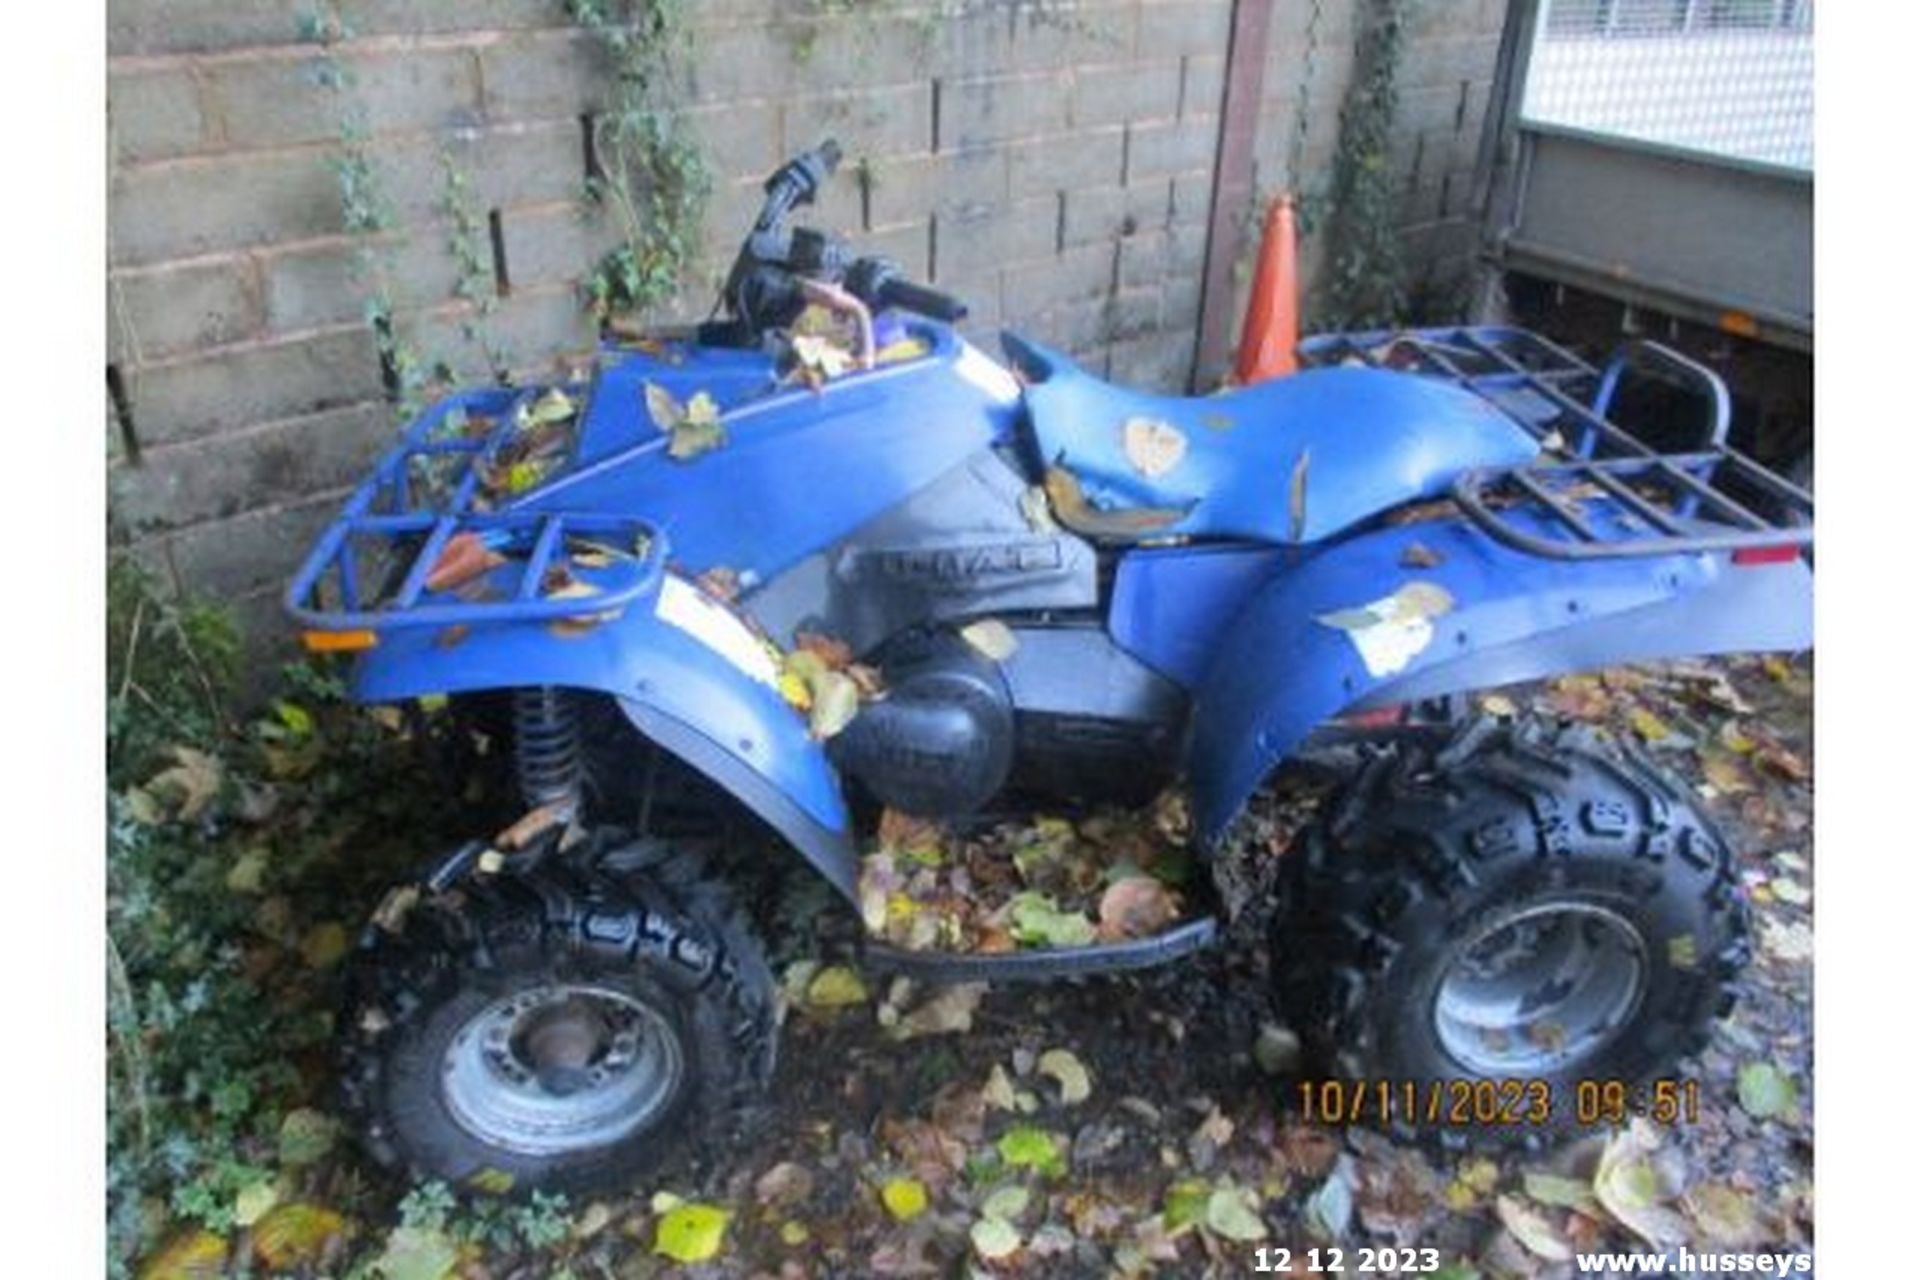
<point>640,914</point>
<point>1433,839</point>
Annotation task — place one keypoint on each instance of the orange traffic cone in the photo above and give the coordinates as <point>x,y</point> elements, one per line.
<point>1273,310</point>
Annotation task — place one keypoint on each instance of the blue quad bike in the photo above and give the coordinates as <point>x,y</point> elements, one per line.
<point>1195,591</point>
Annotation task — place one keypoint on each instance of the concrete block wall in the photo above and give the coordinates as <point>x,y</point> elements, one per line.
<point>1052,162</point>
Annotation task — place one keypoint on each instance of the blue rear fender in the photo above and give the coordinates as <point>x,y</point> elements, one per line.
<point>687,672</point>
<point>1372,620</point>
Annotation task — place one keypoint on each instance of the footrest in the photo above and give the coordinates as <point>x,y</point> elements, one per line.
<point>1040,966</point>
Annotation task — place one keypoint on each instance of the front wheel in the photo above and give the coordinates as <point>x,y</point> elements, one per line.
<point>1519,904</point>
<point>563,1027</point>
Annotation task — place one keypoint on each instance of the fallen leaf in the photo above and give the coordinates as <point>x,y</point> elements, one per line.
<point>1790,891</point>
<point>1792,941</point>
<point>994,1238</point>
<point>1007,1202</point>
<point>1276,1050</point>
<point>1061,1065</point>
<point>1152,446</point>
<point>1724,772</point>
<point>904,1198</point>
<point>1562,1193</point>
<point>1418,555</point>
<point>463,558</point>
<point>491,1181</point>
<point>594,1219</point>
<point>948,1011</point>
<point>1531,1228</point>
<point>691,1232</point>
<point>1329,1209</point>
<point>1234,1213</point>
<point>248,872</point>
<point>819,358</point>
<point>834,654</point>
<point>192,1255</point>
<point>553,406</point>
<point>1185,1204</point>
<point>991,638</point>
<point>661,406</point>
<point>1297,497</point>
<point>193,780</point>
<point>305,1136</point>
<point>1136,907</point>
<point>416,1253</point>
<point>324,945</point>
<point>1025,1147</point>
<point>794,1233</point>
<point>1774,757</point>
<point>998,1091</point>
<point>1648,725</point>
<point>1631,1190</point>
<point>720,582</point>
<point>293,1235</point>
<point>835,987</point>
<point>1037,921</point>
<point>1724,1216</point>
<point>1071,508</point>
<point>835,702</point>
<point>784,1185</point>
<point>1766,1092</point>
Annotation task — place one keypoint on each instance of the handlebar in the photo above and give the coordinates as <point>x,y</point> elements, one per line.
<point>795,183</point>
<point>767,286</point>
<point>908,296</point>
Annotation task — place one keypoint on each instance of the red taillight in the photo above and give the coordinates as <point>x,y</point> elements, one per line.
<point>1766,555</point>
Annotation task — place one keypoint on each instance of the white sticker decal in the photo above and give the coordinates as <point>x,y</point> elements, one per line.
<point>979,368</point>
<point>687,607</point>
<point>1390,632</point>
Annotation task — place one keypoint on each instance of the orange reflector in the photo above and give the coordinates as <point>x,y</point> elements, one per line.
<point>1741,323</point>
<point>338,641</point>
<point>1766,555</point>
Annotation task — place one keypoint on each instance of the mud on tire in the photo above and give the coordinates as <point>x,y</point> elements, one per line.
<point>1514,902</point>
<point>633,940</point>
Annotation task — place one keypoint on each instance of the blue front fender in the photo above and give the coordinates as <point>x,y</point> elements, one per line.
<point>706,700</point>
<point>1300,652</point>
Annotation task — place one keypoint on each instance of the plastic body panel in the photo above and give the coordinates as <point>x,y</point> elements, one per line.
<point>1294,460</point>
<point>800,468</point>
<point>1286,666</point>
<point>1171,605</point>
<point>684,693</point>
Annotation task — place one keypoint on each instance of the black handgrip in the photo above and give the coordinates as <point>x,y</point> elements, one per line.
<point>917,297</point>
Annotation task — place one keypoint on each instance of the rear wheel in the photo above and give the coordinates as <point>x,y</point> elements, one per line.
<point>1518,904</point>
<point>565,1026</point>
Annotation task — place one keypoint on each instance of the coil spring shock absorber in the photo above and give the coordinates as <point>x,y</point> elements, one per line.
<point>546,740</point>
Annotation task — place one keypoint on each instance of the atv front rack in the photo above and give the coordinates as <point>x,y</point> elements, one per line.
<point>1615,493</point>
<point>374,567</point>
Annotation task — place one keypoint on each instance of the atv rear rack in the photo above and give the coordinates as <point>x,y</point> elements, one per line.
<point>1615,494</point>
<point>429,492</point>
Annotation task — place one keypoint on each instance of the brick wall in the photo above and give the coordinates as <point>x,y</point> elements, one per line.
<point>1051,163</point>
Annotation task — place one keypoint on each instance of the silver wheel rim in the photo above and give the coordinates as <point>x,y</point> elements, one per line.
<point>560,1068</point>
<point>1541,991</point>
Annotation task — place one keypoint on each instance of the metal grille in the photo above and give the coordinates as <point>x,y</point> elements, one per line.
<point>1729,78</point>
